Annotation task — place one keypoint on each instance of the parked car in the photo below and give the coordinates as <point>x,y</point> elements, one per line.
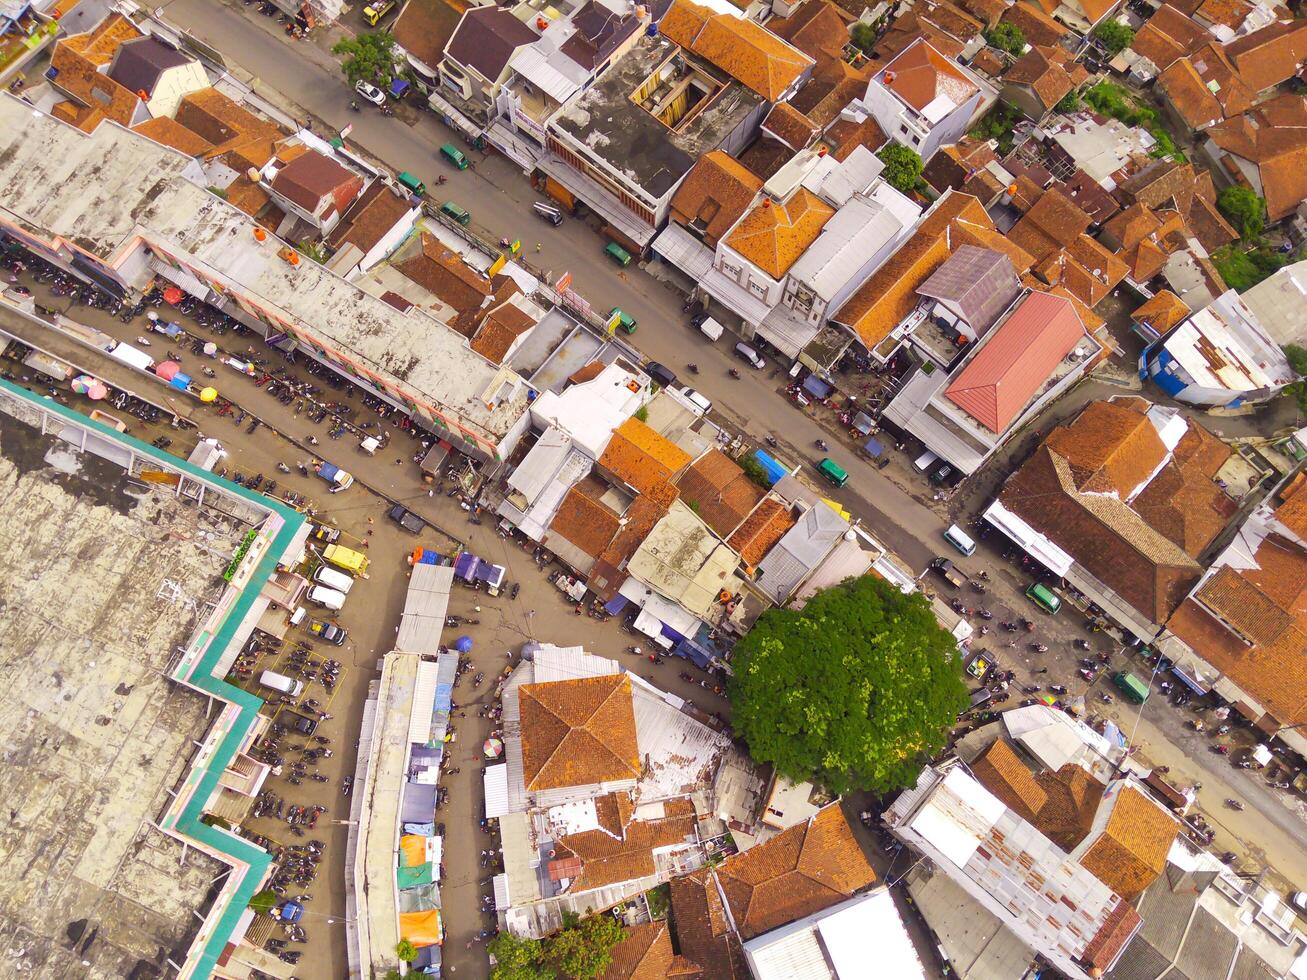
<point>746,353</point>
<point>547,212</point>
<point>326,534</point>
<point>406,519</point>
<point>327,631</point>
<point>661,375</point>
<point>1299,901</point>
<point>370,92</point>
<point>945,474</point>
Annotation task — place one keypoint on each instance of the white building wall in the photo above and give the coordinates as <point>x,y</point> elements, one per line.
<point>174,84</point>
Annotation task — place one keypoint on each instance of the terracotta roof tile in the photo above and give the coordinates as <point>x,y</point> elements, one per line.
<point>578,732</point>
<point>772,236</point>
<point>1060,805</point>
<point>647,510</point>
<point>171,133</point>
<point>585,522</point>
<point>744,50</point>
<point>881,303</point>
<point>608,860</point>
<point>1054,222</point>
<point>818,29</point>
<point>1168,35</point>
<point>807,868</point>
<point>1231,13</point>
<point>237,134</point>
<point>424,27</point>
<point>1131,851</point>
<point>1164,311</point>
<point>500,329</point>
<point>920,74</point>
<point>846,135</point>
<point>645,953</point>
<point>790,126</point>
<point>724,495</point>
<point>714,195</point>
<point>77,76</point>
<point>1037,26</point>
<point>441,272</point>
<point>99,44</point>
<point>703,931</point>
<point>641,457</point>
<point>247,196</point>
<point>989,12</point>
<point>369,218</point>
<point>1272,55</point>
<point>1042,71</point>
<point>1292,511</point>
<point>834,84</point>
<point>761,530</point>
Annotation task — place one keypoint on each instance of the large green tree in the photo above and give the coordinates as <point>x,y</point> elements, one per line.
<point>1006,37</point>
<point>902,166</point>
<point>1116,37</point>
<point>855,691</point>
<point>1243,209</point>
<point>368,58</point>
<point>584,947</point>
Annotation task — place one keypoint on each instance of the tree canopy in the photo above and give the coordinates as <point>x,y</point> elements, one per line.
<point>855,691</point>
<point>1116,37</point>
<point>582,949</point>
<point>1006,37</point>
<point>368,58</point>
<point>902,166</point>
<point>1297,357</point>
<point>1243,209</point>
<point>863,37</point>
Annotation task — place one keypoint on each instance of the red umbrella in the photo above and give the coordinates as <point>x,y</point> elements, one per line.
<point>167,369</point>
<point>172,295</point>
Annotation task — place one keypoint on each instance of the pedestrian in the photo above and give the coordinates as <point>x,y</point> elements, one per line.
<point>370,520</point>
<point>369,532</point>
<point>399,462</point>
<point>537,247</point>
<point>431,493</point>
<point>366,542</point>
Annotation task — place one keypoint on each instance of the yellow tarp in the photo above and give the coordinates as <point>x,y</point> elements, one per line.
<point>420,928</point>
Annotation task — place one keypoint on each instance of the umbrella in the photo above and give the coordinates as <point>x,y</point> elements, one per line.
<point>463,644</point>
<point>493,748</point>
<point>211,348</point>
<point>1049,700</point>
<point>82,383</point>
<point>172,295</point>
<point>97,392</point>
<point>167,369</point>
<point>209,394</point>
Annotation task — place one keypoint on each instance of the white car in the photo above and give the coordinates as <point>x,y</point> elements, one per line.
<point>370,92</point>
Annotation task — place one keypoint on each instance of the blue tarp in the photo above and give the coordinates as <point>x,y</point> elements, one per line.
<point>428,557</point>
<point>817,388</point>
<point>773,469</point>
<point>615,605</point>
<point>874,447</point>
<point>692,652</point>
<point>398,87</point>
<point>465,565</point>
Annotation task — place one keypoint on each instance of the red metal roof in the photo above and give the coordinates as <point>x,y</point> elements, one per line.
<point>1018,358</point>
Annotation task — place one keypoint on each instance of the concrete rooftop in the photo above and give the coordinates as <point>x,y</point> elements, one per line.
<point>113,185</point>
<point>105,579</point>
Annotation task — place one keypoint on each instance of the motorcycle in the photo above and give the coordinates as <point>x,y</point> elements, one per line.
<point>692,368</point>
<point>1234,804</point>
<point>770,440</point>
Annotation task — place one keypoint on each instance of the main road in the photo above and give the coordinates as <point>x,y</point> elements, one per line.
<point>498,195</point>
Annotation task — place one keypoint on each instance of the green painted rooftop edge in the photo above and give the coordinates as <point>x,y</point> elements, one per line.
<point>189,823</point>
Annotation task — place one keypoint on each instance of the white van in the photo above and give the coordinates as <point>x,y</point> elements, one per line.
<point>329,598</point>
<point>960,540</point>
<point>711,329</point>
<point>280,682</point>
<point>333,578</point>
<point>699,401</point>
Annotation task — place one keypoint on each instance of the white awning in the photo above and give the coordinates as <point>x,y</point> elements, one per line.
<point>551,76</point>
<point>496,786</point>
<point>1033,542</point>
<point>500,883</point>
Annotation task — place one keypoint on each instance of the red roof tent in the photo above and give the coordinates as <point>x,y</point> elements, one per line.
<point>1018,358</point>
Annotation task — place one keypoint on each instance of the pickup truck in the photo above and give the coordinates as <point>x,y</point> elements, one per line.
<point>948,572</point>
<point>327,631</point>
<point>406,519</point>
<point>338,478</point>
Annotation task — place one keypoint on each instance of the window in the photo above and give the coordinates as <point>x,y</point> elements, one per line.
<point>916,140</point>
<point>757,288</point>
<point>731,270</point>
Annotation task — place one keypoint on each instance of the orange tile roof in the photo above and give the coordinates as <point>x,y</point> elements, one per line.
<point>1085,268</point>
<point>1168,35</point>
<point>237,135</point>
<point>645,953</point>
<point>845,135</point>
<point>1191,99</point>
<point>714,194</point>
<point>1131,851</point>
<point>444,274</point>
<point>586,522</point>
<point>1273,136</point>
<point>881,303</point>
<point>641,457</point>
<point>722,493</point>
<point>1060,805</point>
<point>819,29</point>
<point>920,75</point>
<point>790,126</point>
<point>578,732</point>
<point>703,930</point>
<point>772,236</point>
<point>171,133</point>
<point>1164,311</point>
<point>747,52</point>
<point>1292,511</point>
<point>100,93</point>
<point>607,859</point>
<point>99,44</point>
<point>500,329</point>
<point>1042,71</point>
<point>761,530</point>
<point>1272,55</point>
<point>247,196</point>
<point>1037,26</point>
<point>807,868</point>
<point>1054,222</point>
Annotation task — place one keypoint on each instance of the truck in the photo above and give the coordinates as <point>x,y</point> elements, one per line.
<point>476,571</point>
<point>354,562</point>
<point>946,570</point>
<point>333,474</point>
<point>406,519</point>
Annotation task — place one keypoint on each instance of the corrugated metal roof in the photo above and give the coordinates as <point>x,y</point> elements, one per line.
<point>979,282</point>
<point>1016,359</point>
<point>557,75</point>
<point>496,786</point>
<point>800,551</point>
<point>425,606</point>
<point>424,702</point>
<point>858,230</point>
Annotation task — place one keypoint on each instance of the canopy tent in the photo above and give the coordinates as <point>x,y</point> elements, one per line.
<point>864,423</point>
<point>420,928</point>
<point>816,387</point>
<point>874,448</point>
<point>422,874</point>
